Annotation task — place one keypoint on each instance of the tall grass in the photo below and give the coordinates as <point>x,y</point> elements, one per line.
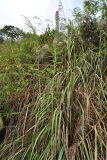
<point>61,111</point>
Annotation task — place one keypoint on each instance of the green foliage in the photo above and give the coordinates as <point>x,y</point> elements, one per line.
<point>11,32</point>
<point>53,90</point>
<point>1,40</point>
<point>47,37</point>
<point>1,123</point>
<point>91,6</point>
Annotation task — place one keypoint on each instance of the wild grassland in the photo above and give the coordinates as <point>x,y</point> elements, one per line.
<point>53,92</point>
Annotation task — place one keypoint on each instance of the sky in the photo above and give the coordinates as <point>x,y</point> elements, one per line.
<point>12,12</point>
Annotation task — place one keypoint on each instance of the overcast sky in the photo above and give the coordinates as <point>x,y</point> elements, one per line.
<point>11,11</point>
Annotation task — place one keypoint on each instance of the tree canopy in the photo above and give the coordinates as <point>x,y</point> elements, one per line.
<point>11,32</point>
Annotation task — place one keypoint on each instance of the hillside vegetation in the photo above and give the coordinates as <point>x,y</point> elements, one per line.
<point>53,90</point>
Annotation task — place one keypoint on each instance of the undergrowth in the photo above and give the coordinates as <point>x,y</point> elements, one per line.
<point>53,92</point>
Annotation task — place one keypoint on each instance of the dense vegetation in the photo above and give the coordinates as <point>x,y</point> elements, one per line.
<point>53,90</point>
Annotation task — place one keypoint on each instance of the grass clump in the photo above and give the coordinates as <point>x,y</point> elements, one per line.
<point>54,94</point>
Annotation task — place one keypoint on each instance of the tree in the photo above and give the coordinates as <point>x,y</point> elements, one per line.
<point>91,7</point>
<point>96,7</point>
<point>1,39</point>
<point>11,32</point>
